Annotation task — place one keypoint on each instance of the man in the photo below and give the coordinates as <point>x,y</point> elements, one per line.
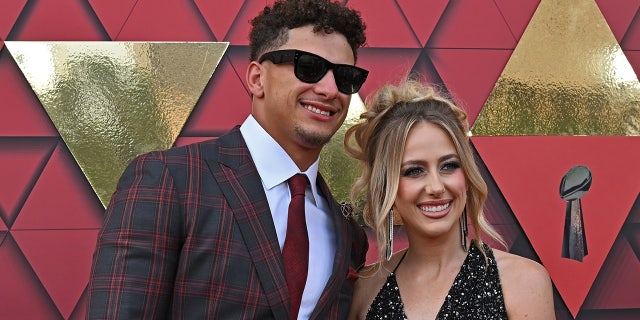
<point>198,231</point>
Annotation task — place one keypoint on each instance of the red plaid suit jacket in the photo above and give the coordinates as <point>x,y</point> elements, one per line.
<point>188,234</point>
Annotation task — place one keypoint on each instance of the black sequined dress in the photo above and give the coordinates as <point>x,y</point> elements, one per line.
<point>475,294</point>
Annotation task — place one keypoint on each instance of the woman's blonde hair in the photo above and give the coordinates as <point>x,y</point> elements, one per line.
<point>378,140</point>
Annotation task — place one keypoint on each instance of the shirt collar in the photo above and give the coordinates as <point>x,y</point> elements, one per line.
<point>273,163</point>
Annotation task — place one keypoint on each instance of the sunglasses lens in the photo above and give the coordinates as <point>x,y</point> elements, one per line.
<point>349,79</point>
<point>310,68</point>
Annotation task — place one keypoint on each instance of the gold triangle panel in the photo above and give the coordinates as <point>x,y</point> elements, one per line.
<point>567,76</point>
<point>111,101</point>
<point>340,170</point>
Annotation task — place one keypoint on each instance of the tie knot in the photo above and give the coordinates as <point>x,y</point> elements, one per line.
<point>298,184</point>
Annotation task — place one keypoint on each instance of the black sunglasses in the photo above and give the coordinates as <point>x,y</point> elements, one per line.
<point>310,68</point>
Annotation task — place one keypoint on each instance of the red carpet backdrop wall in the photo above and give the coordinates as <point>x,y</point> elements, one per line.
<point>551,88</point>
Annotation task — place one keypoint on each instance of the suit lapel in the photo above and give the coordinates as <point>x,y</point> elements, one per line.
<point>240,183</point>
<point>339,272</point>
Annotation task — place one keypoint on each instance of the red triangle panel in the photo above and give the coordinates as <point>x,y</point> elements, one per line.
<point>61,198</point>
<point>517,14</point>
<point>3,233</point>
<point>22,295</point>
<point>634,216</point>
<point>219,15</point>
<point>469,75</point>
<point>617,284</point>
<point>385,65</point>
<point>498,213</point>
<point>9,12</point>
<point>21,162</point>
<point>215,112</point>
<point>631,39</point>
<point>113,17</point>
<point>239,58</point>
<point>423,16</point>
<point>634,60</point>
<point>59,20</point>
<point>529,175</point>
<point>62,261</point>
<point>427,71</point>
<point>379,18</point>
<point>472,24</point>
<point>618,15</point>
<point>238,33</point>
<point>22,113</point>
<point>80,311</point>
<point>169,20</point>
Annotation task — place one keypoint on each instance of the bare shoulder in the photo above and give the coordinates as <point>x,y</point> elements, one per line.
<point>526,286</point>
<point>370,279</point>
<point>517,267</point>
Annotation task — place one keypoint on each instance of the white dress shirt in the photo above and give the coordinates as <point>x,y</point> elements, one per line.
<point>275,167</point>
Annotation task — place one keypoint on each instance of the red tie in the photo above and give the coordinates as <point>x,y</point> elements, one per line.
<point>295,252</point>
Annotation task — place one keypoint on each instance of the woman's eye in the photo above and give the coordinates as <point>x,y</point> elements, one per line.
<point>451,166</point>
<point>412,172</point>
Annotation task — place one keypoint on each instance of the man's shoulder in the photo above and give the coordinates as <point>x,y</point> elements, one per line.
<point>206,148</point>
<point>206,145</point>
<point>190,148</point>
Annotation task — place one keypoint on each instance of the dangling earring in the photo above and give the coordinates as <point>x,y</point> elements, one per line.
<point>464,231</point>
<point>389,248</point>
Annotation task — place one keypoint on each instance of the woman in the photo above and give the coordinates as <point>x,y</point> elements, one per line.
<point>418,167</point>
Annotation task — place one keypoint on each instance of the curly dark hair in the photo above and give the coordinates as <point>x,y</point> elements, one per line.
<point>270,28</point>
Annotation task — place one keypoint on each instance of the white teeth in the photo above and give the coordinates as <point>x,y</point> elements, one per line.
<point>435,208</point>
<point>318,111</point>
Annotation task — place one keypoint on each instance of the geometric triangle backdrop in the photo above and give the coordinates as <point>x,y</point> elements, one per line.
<point>50,211</point>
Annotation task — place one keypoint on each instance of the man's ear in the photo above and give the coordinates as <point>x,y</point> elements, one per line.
<point>254,79</point>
